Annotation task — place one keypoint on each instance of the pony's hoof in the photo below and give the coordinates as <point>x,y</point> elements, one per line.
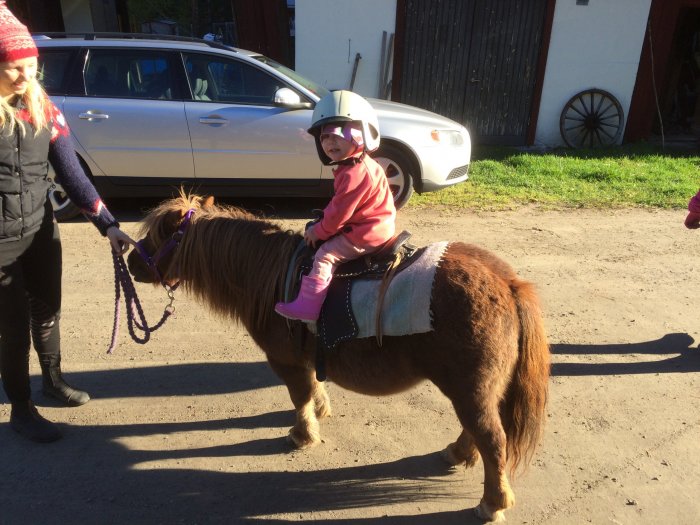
<point>323,411</point>
<point>299,442</point>
<point>483,512</point>
<point>449,457</point>
<point>453,460</point>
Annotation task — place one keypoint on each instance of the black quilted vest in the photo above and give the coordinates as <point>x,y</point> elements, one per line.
<point>23,181</point>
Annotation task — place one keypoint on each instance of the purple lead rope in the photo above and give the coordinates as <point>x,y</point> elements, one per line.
<point>122,280</point>
<point>135,315</point>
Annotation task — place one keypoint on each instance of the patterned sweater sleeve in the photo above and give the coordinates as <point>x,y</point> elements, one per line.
<point>70,174</point>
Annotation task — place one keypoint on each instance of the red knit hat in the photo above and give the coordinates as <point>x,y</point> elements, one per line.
<point>15,40</point>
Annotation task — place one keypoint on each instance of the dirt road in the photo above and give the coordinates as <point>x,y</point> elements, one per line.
<point>190,427</point>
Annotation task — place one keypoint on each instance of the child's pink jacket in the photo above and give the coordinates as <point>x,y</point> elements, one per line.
<point>362,208</point>
<point>694,204</point>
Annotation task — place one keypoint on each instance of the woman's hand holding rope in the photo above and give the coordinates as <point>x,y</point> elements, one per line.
<point>119,240</point>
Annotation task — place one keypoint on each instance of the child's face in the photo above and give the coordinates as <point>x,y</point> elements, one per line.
<point>337,148</point>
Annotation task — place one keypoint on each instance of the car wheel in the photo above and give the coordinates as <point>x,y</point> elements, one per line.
<point>63,207</point>
<point>398,172</point>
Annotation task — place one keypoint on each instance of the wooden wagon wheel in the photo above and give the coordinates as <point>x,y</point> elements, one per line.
<point>591,119</point>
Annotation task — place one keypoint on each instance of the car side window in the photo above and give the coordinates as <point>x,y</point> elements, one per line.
<point>53,66</point>
<point>219,79</point>
<point>131,74</point>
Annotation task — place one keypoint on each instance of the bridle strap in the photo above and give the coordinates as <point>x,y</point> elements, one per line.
<point>175,238</point>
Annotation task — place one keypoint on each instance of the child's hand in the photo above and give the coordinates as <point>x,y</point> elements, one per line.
<point>692,221</point>
<point>310,238</point>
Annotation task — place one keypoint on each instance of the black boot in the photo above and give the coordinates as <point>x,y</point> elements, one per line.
<point>46,335</point>
<point>54,385</point>
<point>26,420</point>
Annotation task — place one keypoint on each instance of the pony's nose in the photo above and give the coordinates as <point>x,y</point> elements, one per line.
<point>137,267</point>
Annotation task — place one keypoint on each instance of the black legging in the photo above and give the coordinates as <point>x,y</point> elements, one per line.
<point>30,302</point>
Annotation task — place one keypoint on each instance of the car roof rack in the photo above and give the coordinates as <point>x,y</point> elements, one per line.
<point>135,36</point>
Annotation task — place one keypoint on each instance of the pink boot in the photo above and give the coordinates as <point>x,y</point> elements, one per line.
<point>307,305</point>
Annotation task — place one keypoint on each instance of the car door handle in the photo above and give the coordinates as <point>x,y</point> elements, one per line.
<point>93,116</point>
<point>212,120</point>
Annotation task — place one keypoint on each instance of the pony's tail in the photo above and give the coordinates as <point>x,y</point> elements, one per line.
<point>526,399</point>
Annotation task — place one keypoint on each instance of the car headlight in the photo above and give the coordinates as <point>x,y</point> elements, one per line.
<point>449,137</point>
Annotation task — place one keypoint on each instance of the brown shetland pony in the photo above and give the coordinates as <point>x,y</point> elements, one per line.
<point>488,351</point>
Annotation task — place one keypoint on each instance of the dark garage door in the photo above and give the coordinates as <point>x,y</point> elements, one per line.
<point>474,61</point>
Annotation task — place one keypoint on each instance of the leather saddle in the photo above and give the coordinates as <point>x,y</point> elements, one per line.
<point>375,265</point>
<point>337,321</point>
<point>395,255</point>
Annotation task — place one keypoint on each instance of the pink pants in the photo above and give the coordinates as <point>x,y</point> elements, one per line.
<point>334,252</point>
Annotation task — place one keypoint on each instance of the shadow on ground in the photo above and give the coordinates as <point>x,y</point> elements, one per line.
<point>91,476</point>
<point>685,358</point>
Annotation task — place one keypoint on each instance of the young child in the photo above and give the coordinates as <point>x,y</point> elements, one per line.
<point>692,220</point>
<point>361,216</point>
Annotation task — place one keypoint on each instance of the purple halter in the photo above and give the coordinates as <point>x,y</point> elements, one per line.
<point>175,238</point>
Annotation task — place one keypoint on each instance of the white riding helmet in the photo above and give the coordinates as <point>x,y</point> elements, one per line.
<point>345,106</point>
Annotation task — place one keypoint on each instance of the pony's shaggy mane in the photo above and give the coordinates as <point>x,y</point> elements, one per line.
<point>228,256</point>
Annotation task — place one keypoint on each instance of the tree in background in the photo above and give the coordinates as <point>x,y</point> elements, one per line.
<point>193,17</point>
<point>262,26</point>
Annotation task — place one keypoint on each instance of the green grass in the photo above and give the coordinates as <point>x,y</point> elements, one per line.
<point>622,177</point>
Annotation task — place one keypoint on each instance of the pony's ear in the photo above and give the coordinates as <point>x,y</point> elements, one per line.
<point>208,202</point>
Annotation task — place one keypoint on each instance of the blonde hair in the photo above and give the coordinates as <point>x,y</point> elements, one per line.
<point>35,101</point>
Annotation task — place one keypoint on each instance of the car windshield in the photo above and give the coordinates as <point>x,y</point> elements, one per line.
<point>312,86</point>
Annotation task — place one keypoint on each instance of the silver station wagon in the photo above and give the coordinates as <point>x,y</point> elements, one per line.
<point>151,114</point>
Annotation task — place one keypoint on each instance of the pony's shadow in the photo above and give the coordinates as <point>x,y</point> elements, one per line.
<point>126,491</point>
<point>461,517</point>
<point>186,485</point>
<point>184,380</point>
<point>686,358</point>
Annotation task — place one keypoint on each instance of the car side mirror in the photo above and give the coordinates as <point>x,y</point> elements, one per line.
<point>289,98</point>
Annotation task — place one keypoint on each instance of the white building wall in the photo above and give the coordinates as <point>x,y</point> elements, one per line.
<point>592,46</point>
<point>329,33</point>
<point>595,45</point>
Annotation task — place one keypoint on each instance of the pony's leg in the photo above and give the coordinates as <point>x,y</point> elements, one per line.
<point>462,451</point>
<point>304,391</point>
<point>483,424</point>
<point>322,402</point>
